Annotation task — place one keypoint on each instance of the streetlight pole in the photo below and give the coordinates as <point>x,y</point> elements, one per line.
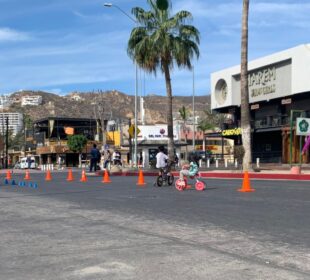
<point>109,5</point>
<point>194,117</point>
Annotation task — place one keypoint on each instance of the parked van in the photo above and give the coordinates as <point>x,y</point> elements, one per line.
<point>24,164</point>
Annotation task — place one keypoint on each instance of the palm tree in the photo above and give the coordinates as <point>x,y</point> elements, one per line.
<point>184,114</point>
<point>161,41</point>
<point>245,111</point>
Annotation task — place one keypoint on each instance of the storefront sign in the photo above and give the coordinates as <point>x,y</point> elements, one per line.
<point>286,101</point>
<point>231,132</point>
<point>262,82</point>
<point>211,147</point>
<point>155,132</point>
<point>254,106</point>
<point>303,126</point>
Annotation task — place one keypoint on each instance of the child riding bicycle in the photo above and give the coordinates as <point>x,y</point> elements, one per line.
<point>163,164</point>
<point>161,158</point>
<point>190,169</point>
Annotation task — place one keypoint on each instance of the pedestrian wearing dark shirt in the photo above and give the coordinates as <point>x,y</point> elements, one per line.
<point>94,158</point>
<point>28,160</point>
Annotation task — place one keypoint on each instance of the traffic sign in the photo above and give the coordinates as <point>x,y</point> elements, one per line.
<point>131,131</point>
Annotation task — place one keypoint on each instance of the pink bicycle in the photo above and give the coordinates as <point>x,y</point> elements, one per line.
<point>182,185</point>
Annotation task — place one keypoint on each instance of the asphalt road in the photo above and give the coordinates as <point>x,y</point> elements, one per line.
<point>75,230</point>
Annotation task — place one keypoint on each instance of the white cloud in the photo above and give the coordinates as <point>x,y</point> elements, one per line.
<point>281,8</point>
<point>7,34</point>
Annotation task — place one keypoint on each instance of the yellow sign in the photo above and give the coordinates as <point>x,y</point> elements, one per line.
<point>131,131</point>
<point>229,132</point>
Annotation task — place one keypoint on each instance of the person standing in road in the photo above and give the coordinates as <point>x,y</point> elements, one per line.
<point>28,160</point>
<point>94,158</point>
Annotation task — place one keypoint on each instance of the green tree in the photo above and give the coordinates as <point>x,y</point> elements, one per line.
<point>28,122</point>
<point>161,41</point>
<point>245,111</point>
<point>76,144</point>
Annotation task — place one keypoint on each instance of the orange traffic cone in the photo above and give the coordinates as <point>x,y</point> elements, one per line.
<point>246,187</point>
<point>106,178</point>
<point>140,178</point>
<point>27,175</point>
<point>8,175</point>
<point>83,178</point>
<point>48,176</point>
<point>70,175</point>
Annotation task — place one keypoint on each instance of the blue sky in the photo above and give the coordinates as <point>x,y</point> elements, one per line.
<point>78,45</point>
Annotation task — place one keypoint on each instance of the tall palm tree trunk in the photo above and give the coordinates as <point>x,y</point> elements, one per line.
<point>169,111</point>
<point>245,112</point>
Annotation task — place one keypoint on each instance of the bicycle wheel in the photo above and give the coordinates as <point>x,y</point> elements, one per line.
<point>170,179</point>
<point>180,185</point>
<point>160,180</point>
<point>200,186</point>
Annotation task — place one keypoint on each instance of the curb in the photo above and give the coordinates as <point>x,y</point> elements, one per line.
<point>219,175</point>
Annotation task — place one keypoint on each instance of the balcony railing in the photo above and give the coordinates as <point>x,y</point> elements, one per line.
<point>271,121</point>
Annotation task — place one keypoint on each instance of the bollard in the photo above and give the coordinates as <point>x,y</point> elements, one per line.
<point>200,161</point>
<point>216,163</point>
<point>225,162</point>
<point>208,163</point>
<point>257,162</point>
<point>236,163</point>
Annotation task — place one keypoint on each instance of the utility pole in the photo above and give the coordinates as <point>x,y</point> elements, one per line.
<point>2,132</point>
<point>130,141</point>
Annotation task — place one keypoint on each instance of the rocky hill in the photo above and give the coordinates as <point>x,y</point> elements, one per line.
<point>115,104</point>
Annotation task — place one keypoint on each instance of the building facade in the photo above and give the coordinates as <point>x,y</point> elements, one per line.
<point>5,101</point>
<point>279,92</point>
<point>32,100</point>
<point>51,134</point>
<point>15,122</point>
